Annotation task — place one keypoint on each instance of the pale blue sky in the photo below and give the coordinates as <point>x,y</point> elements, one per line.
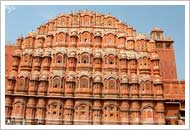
<point>22,19</point>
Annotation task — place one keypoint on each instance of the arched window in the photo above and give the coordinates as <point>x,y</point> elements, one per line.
<point>110,39</point>
<point>84,82</point>
<point>26,58</point>
<point>21,82</point>
<point>85,59</point>
<point>111,83</point>
<point>54,110</point>
<point>148,86</point>
<point>59,59</point>
<point>56,82</point>
<point>18,109</point>
<point>86,20</point>
<point>148,114</point>
<point>111,60</point>
<point>82,111</point>
<point>61,37</point>
<point>85,37</point>
<point>109,23</point>
<point>143,86</point>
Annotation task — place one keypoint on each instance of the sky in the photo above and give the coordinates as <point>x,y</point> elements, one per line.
<point>21,19</point>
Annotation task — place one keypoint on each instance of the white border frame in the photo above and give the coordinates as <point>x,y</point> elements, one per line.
<point>185,3</point>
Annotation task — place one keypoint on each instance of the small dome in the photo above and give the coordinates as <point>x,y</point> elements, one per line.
<point>157,29</point>
<point>98,34</point>
<point>97,78</point>
<point>152,41</point>
<point>47,54</point>
<point>124,79</point>
<point>123,55</point>
<point>74,33</point>
<point>97,55</point>
<point>131,56</point>
<point>32,34</point>
<point>44,77</point>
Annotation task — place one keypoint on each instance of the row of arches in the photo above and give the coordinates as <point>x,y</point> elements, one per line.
<point>86,58</point>
<point>86,38</point>
<point>82,112</point>
<point>85,85</point>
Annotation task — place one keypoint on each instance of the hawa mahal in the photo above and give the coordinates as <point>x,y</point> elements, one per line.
<point>91,68</point>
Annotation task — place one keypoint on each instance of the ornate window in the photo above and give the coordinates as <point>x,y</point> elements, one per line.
<point>56,82</point>
<point>59,58</point>
<point>109,23</point>
<point>111,60</point>
<point>85,59</point>
<point>111,113</point>
<point>18,108</point>
<point>84,82</point>
<point>21,83</point>
<point>148,114</point>
<point>111,83</point>
<point>61,37</point>
<point>55,110</point>
<point>98,18</point>
<point>86,20</point>
<point>82,111</point>
<point>148,86</point>
<point>110,38</point>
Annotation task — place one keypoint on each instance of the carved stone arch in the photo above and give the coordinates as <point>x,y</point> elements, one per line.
<point>147,114</point>
<point>83,104</point>
<point>109,33</point>
<point>148,84</point>
<point>85,36</point>
<point>59,58</point>
<point>83,110</point>
<point>26,57</point>
<point>111,104</point>
<point>86,19</point>
<point>110,38</point>
<point>62,36</point>
<point>19,102</point>
<point>149,105</point>
<point>74,34</point>
<point>112,83</point>
<point>97,34</point>
<point>84,82</point>
<point>85,58</point>
<point>18,108</point>
<point>110,21</point>
<point>142,84</point>
<point>56,104</point>
<point>56,82</point>
<point>31,102</point>
<point>111,59</point>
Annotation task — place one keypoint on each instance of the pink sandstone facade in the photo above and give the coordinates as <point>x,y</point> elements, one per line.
<point>90,68</point>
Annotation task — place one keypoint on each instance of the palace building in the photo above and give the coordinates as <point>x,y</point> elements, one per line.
<point>90,68</point>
